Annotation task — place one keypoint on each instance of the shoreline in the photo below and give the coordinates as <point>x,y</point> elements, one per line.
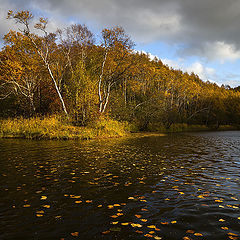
<point>53,128</point>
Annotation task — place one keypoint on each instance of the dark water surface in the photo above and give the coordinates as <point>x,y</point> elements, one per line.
<point>180,186</point>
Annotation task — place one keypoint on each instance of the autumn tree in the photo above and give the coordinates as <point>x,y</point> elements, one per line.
<point>44,46</point>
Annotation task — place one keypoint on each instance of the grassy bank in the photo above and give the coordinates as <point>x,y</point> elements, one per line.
<point>55,128</point>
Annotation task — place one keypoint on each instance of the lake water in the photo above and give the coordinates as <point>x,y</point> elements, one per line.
<point>178,186</point>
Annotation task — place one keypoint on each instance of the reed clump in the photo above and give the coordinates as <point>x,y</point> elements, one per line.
<point>55,127</point>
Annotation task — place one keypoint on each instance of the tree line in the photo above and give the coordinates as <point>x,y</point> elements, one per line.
<point>67,72</point>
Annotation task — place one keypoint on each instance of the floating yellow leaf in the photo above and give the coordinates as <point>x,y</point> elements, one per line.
<point>151,232</point>
<point>221,220</point>
<point>75,234</point>
<point>125,224</point>
<point>137,231</point>
<point>148,235</point>
<point>27,205</point>
<point>224,228</point>
<point>116,205</point>
<point>157,238</point>
<point>138,216</point>
<point>114,223</point>
<point>189,231</point>
<point>136,225</point>
<point>198,234</point>
<point>46,206</point>
<point>78,201</point>
<point>151,226</point>
<point>143,220</point>
<point>39,215</point>
<point>99,206</point>
<point>173,222</point>
<point>114,216</point>
<point>232,234</point>
<point>88,201</point>
<point>43,197</point>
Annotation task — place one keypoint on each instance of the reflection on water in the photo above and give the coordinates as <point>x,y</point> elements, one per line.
<point>179,186</point>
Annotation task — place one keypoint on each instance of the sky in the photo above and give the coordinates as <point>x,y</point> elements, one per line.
<point>200,36</point>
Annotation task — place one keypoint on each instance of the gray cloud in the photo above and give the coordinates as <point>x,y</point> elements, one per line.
<point>204,28</point>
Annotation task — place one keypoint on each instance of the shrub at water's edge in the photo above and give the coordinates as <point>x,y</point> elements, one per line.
<point>54,127</point>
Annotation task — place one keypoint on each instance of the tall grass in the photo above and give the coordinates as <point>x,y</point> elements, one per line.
<point>54,127</point>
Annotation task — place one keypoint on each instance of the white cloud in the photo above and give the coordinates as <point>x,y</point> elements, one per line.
<point>203,72</point>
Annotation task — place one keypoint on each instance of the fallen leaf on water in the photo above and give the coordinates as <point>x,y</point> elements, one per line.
<point>157,238</point>
<point>221,220</point>
<point>198,234</point>
<point>173,222</point>
<point>116,205</point>
<point>88,201</point>
<point>138,216</point>
<point>99,206</point>
<point>78,201</point>
<point>151,226</point>
<point>43,197</point>
<point>224,228</point>
<point>164,223</point>
<point>27,205</point>
<point>187,238</point>
<point>39,215</point>
<point>46,206</point>
<point>151,232</point>
<point>114,223</point>
<point>114,216</point>
<point>75,234</point>
<point>125,224</point>
<point>232,234</point>
<point>136,225</point>
<point>137,231</point>
<point>148,235</point>
<point>189,231</point>
<point>41,211</point>
<point>233,238</point>
<point>143,220</point>
<point>106,232</point>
